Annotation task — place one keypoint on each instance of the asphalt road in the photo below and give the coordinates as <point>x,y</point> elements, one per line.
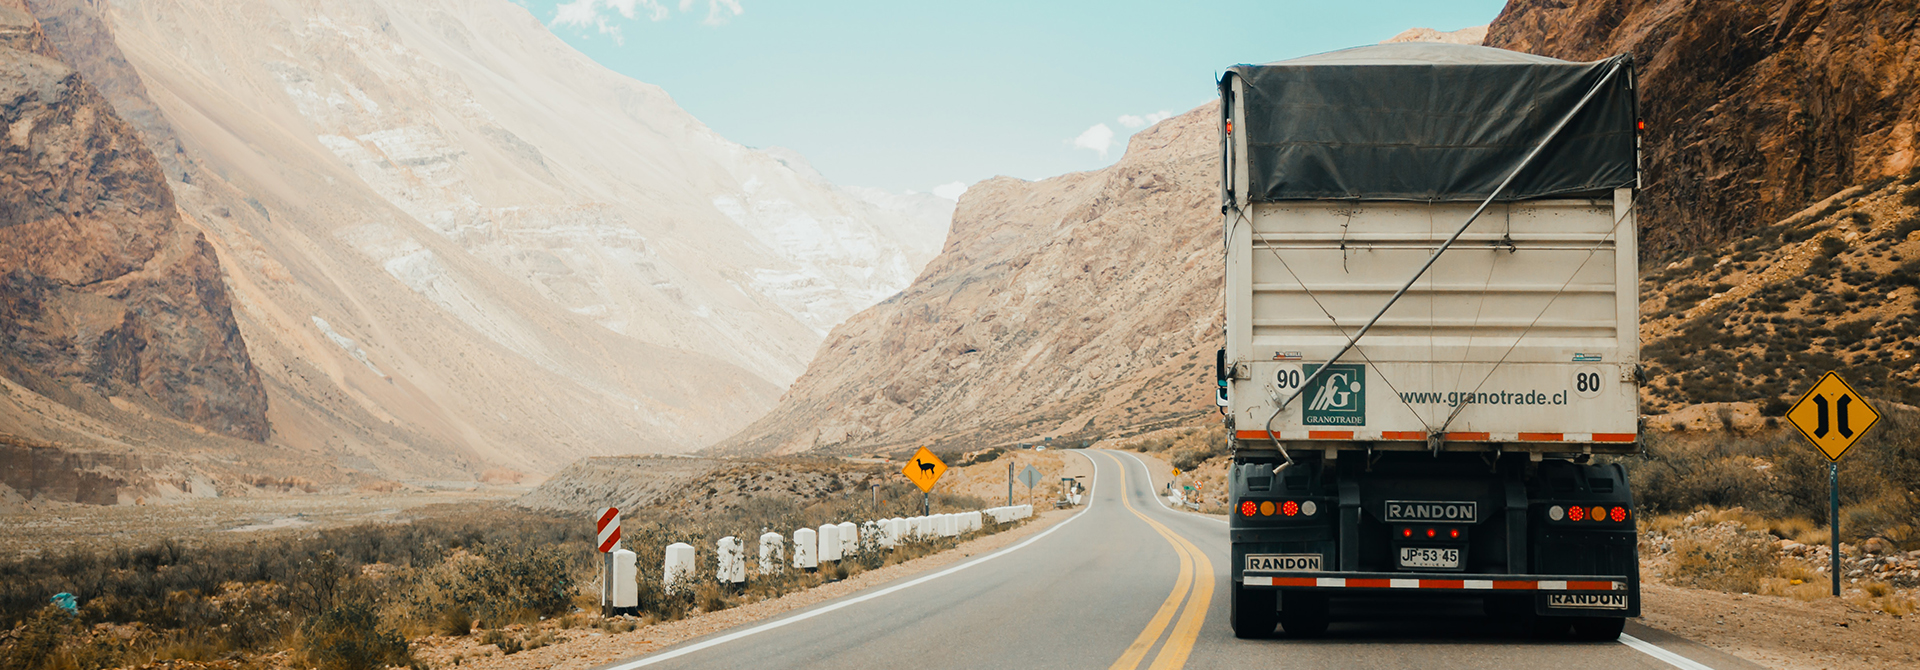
<point>1129,583</point>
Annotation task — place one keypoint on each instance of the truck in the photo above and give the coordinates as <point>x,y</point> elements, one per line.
<point>1431,301</point>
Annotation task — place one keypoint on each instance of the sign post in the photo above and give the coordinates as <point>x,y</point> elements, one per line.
<point>1009,483</point>
<point>923,470</point>
<point>1833,417</point>
<point>607,526</point>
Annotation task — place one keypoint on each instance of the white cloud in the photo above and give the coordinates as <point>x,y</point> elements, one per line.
<point>598,14</point>
<point>718,11</point>
<point>1132,121</point>
<point>1098,138</point>
<point>950,191</point>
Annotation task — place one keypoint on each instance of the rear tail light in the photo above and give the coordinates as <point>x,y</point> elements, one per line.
<point>1251,508</point>
<point>1431,532</point>
<point>1577,513</point>
<point>1406,532</point>
<point>1455,533</point>
<point>1599,513</point>
<point>1619,514</point>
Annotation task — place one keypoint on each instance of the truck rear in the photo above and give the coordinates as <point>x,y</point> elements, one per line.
<point>1432,328</point>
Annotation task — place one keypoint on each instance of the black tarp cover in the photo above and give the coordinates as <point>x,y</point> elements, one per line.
<point>1432,122</point>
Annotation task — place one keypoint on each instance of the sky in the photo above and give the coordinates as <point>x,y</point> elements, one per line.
<point>931,96</point>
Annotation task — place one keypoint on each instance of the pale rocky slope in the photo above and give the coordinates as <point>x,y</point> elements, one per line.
<point>1064,307</point>
<point>454,243</point>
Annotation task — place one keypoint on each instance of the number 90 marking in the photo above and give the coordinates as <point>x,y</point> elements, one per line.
<point>1288,377</point>
<point>1587,381</point>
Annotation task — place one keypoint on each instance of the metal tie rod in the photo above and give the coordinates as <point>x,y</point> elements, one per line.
<point>1524,162</point>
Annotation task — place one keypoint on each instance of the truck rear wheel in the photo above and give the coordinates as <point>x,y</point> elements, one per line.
<point>1254,613</point>
<point>1303,613</point>
<point>1598,629</point>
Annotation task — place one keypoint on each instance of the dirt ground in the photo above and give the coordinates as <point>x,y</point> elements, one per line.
<point>587,647</point>
<point>44,527</point>
<point>1780,632</point>
<point>988,481</point>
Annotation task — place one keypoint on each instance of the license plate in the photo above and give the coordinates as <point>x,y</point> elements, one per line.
<point>1583,601</point>
<point>1283,562</point>
<point>1429,557</point>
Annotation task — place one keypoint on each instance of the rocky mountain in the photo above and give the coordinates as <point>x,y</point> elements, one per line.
<point>1781,189</point>
<point>1753,110</point>
<point>112,308</point>
<point>1059,308</point>
<point>452,243</point>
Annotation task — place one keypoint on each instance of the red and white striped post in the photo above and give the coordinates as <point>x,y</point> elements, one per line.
<point>607,523</point>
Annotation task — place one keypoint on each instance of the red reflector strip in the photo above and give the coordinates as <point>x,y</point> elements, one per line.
<point>1542,437</point>
<point>1613,437</point>
<point>1469,437</point>
<point>1252,435</point>
<point>1436,584</point>
<point>1402,435</point>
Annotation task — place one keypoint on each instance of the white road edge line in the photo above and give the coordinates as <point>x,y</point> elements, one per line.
<point>803,616</point>
<point>1656,651</point>
<point>1156,496</point>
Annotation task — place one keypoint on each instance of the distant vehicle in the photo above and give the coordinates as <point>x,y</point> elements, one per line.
<point>1414,402</point>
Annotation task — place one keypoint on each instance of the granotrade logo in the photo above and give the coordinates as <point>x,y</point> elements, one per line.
<point>1337,398</point>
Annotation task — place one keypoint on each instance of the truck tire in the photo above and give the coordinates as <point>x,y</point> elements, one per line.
<point>1254,613</point>
<point>1598,628</point>
<point>1303,613</point>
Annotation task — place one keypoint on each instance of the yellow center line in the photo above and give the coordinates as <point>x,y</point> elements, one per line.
<point>1138,650</point>
<point>1174,653</point>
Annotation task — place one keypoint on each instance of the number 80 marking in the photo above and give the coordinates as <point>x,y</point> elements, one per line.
<point>1587,381</point>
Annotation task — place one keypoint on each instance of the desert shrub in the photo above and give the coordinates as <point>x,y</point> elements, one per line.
<point>1729,558</point>
<point>35,643</point>
<point>350,637</point>
<point>1777,475</point>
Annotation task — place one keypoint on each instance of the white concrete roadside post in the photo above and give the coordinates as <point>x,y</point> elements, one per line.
<point>949,526</point>
<point>732,561</point>
<point>971,522</point>
<point>896,531</point>
<point>678,565</point>
<point>829,542</point>
<point>849,538</point>
<point>626,582</point>
<point>773,552</point>
<point>804,547</point>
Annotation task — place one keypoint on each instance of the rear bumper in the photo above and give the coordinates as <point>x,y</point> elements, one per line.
<point>1552,595</point>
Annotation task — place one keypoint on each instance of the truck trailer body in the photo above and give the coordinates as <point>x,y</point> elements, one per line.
<point>1431,435</point>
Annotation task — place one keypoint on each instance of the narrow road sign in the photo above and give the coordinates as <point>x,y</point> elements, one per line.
<point>1030,477</point>
<point>1832,416</point>
<point>924,469</point>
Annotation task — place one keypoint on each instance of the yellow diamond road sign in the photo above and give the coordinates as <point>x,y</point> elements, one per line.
<point>1832,416</point>
<point>924,469</point>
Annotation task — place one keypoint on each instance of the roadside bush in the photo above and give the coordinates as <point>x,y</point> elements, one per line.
<point>1777,475</point>
<point>350,637</point>
<point>1727,558</point>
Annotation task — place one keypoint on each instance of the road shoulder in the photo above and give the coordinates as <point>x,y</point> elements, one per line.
<point>589,648</point>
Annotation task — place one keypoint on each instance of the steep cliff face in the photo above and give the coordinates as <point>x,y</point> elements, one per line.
<point>1063,307</point>
<point>1753,110</point>
<point>455,244</point>
<point>109,305</point>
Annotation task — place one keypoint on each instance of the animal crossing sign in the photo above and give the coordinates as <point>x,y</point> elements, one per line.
<point>1832,416</point>
<point>924,469</point>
